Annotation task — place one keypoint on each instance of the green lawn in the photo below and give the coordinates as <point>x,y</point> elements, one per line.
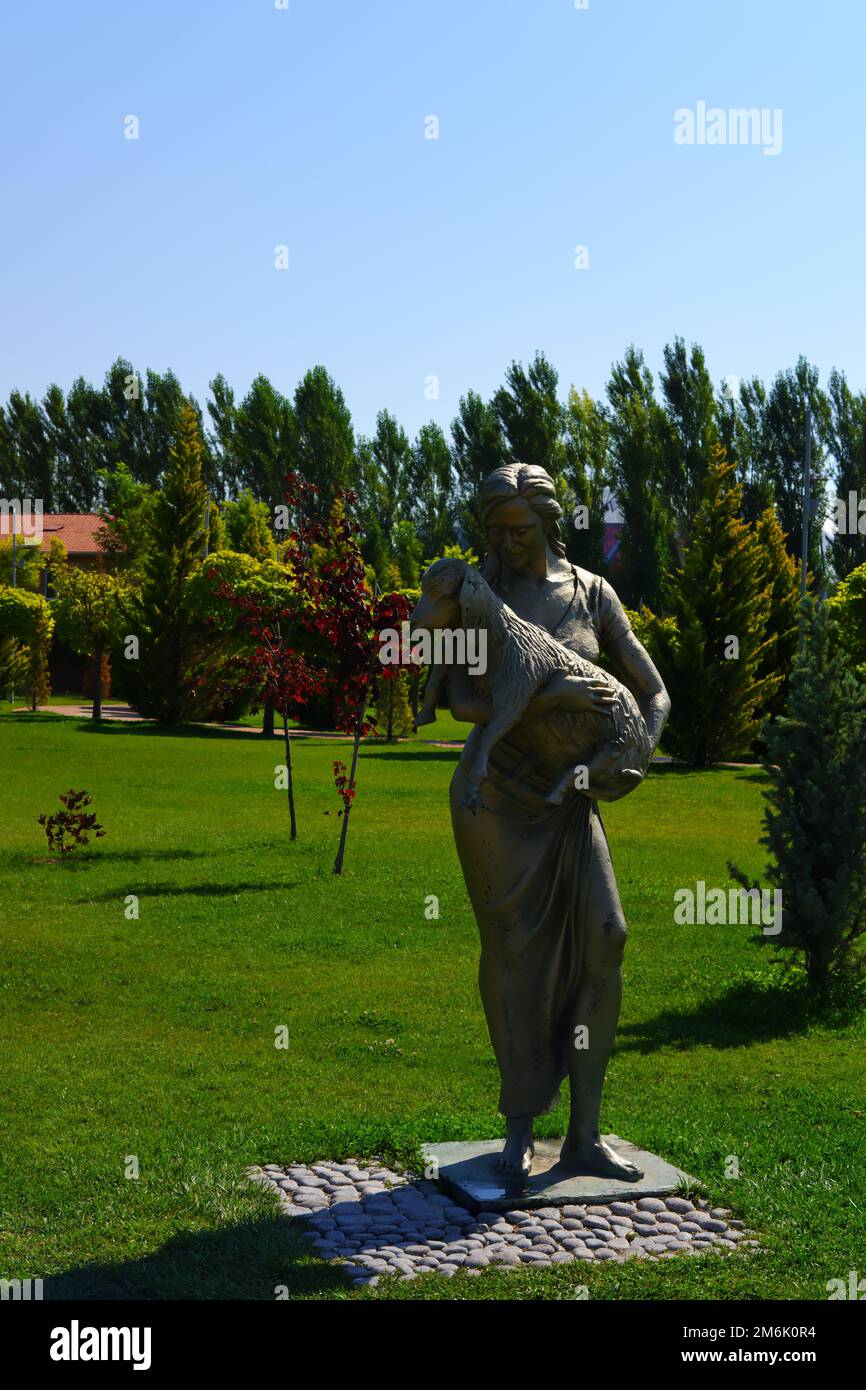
<point>155,1037</point>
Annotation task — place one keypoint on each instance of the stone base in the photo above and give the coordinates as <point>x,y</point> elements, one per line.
<point>467,1171</point>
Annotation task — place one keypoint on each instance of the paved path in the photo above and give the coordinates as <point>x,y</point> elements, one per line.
<point>125,714</point>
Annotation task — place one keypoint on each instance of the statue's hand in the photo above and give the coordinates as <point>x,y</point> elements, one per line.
<point>607,780</point>
<point>577,694</point>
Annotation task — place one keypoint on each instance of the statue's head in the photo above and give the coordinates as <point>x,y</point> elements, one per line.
<point>451,591</point>
<point>520,515</point>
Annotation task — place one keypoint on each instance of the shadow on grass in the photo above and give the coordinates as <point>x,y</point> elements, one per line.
<point>249,1260</point>
<point>197,890</point>
<point>748,1012</point>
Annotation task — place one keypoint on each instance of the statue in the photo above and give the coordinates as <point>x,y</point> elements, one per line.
<point>554,734</point>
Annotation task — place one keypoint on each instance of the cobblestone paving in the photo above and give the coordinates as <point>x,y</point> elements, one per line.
<point>378,1223</point>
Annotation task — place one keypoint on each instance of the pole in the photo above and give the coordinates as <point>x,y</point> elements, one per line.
<point>807,509</point>
<point>807,499</point>
<point>14,585</point>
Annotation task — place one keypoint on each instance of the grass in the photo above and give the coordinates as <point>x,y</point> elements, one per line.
<point>154,1037</point>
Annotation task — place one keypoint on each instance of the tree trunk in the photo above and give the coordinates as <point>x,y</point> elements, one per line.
<point>97,681</point>
<point>344,829</point>
<point>290,789</point>
<point>268,721</point>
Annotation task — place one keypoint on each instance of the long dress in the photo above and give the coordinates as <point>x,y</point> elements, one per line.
<point>539,880</point>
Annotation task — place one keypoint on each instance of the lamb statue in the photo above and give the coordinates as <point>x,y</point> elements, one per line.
<point>521,659</point>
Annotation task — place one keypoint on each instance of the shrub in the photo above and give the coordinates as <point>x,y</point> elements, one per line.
<point>70,829</point>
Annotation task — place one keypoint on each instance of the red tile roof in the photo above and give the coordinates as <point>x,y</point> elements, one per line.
<point>77,531</point>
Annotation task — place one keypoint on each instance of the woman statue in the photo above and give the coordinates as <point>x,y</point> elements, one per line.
<point>539,877</point>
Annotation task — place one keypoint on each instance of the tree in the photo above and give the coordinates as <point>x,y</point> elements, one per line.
<point>847,613</point>
<point>127,510</point>
<point>587,473</point>
<point>784,433</point>
<point>26,451</point>
<point>478,447</point>
<point>247,527</point>
<point>281,676</point>
<point>635,433</point>
<point>740,417</point>
<point>392,460</point>
<point>26,619</point>
<point>690,432</point>
<point>223,439</point>
<point>324,441</point>
<point>90,612</point>
<point>75,425</point>
<point>815,814</point>
<point>431,489</point>
<point>393,710</point>
<point>530,415</point>
<point>847,439</point>
<point>710,658</point>
<point>165,676</point>
<point>779,576</point>
<point>264,441</point>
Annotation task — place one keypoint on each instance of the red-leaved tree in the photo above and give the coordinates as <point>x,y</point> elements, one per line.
<point>320,636</point>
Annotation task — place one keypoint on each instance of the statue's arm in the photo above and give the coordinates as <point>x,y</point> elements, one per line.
<point>638,672</point>
<point>466,700</point>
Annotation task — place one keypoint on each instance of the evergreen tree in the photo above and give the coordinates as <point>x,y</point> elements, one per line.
<point>710,658</point>
<point>636,431</point>
<point>247,527</point>
<point>165,675</point>
<point>393,711</point>
<point>779,575</point>
<point>815,817</point>
<point>478,447</point>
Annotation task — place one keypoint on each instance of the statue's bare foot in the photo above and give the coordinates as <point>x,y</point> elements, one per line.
<point>595,1158</point>
<point>515,1161</point>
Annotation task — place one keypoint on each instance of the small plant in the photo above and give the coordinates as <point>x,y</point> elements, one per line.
<point>69,829</point>
<point>344,790</point>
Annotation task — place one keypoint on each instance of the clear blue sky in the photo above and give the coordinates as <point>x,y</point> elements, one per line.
<point>411,256</point>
